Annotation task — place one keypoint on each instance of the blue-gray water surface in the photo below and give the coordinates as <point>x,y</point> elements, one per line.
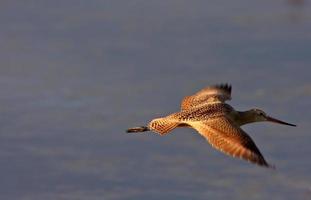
<point>74,75</point>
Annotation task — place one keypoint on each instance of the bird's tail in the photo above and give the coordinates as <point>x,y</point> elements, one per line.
<point>137,129</point>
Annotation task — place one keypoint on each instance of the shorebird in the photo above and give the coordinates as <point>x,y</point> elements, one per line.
<point>207,112</point>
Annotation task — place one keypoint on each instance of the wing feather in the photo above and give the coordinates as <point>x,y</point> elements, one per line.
<point>230,139</point>
<point>216,93</point>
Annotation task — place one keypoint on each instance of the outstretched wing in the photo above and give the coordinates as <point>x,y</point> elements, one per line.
<point>216,93</point>
<point>230,139</point>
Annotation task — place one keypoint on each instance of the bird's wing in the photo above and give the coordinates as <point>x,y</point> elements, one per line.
<point>230,139</point>
<point>217,93</point>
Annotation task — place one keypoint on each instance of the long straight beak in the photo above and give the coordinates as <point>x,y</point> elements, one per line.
<point>278,121</point>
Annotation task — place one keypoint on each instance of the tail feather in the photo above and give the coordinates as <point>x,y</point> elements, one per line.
<point>137,129</point>
<point>163,125</point>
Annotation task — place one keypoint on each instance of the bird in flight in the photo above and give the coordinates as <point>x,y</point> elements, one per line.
<point>207,113</point>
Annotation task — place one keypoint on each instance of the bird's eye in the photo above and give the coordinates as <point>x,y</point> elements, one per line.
<point>262,114</point>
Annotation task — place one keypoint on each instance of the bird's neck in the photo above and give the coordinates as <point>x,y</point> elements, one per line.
<point>245,117</point>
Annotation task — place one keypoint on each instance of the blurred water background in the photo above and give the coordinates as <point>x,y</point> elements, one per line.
<point>76,74</point>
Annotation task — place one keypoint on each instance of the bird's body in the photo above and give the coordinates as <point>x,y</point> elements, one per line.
<point>207,112</point>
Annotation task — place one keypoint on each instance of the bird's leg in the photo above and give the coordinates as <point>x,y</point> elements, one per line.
<point>137,129</point>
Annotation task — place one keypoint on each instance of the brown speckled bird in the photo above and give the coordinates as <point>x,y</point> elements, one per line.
<point>207,112</point>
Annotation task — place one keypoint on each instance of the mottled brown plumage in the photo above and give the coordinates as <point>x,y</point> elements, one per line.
<point>218,93</point>
<point>207,112</point>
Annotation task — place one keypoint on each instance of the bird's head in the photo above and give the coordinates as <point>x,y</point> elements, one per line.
<point>260,115</point>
